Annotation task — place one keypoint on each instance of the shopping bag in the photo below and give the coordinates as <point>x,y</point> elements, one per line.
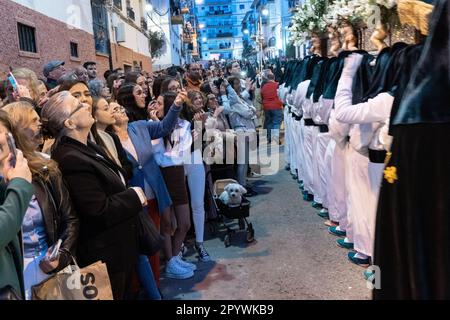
<point>150,240</point>
<point>73,283</point>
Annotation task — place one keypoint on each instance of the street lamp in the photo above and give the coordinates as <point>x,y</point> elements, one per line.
<point>260,38</point>
<point>246,31</point>
<point>201,25</point>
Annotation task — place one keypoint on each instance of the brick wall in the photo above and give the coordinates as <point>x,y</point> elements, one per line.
<point>123,56</point>
<point>52,38</point>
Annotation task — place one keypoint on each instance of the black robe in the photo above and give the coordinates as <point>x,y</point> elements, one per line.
<point>412,239</point>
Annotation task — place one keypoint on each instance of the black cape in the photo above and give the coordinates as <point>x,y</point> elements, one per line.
<point>412,239</point>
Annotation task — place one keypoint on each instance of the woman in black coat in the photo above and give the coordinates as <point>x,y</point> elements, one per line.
<point>108,210</point>
<point>55,219</point>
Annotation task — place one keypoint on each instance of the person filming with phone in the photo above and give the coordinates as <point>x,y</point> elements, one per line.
<point>50,226</point>
<point>15,195</point>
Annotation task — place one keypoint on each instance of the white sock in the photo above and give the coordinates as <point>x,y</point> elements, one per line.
<point>360,255</point>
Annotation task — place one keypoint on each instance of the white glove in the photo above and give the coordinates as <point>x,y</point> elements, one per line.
<point>351,64</point>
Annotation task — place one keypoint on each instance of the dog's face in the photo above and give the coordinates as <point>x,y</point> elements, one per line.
<point>235,190</point>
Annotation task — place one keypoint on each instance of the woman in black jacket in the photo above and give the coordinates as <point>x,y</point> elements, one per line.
<point>50,216</point>
<point>108,210</point>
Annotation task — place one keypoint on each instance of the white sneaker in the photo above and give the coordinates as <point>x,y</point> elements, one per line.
<point>185,264</point>
<point>175,271</point>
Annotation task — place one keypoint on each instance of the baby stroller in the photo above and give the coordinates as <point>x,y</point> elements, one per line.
<point>241,212</point>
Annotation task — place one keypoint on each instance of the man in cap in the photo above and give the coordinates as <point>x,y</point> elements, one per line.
<point>54,70</point>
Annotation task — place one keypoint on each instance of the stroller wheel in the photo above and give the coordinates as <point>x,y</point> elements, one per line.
<point>227,240</point>
<point>241,224</point>
<point>250,233</point>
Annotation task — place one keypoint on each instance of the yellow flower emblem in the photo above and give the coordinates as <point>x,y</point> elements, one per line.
<point>390,174</point>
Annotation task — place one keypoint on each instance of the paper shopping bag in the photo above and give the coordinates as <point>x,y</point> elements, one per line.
<point>73,283</point>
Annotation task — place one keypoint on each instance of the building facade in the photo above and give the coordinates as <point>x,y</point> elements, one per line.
<point>35,32</point>
<point>159,18</point>
<point>109,32</point>
<point>220,29</point>
<point>266,26</point>
<point>121,33</point>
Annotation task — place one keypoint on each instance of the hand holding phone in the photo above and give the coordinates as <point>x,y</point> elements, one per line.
<point>51,260</point>
<point>54,255</point>
<point>12,149</point>
<point>12,80</point>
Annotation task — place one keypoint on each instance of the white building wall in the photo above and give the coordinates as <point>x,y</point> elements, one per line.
<point>134,38</point>
<point>173,47</point>
<point>76,13</point>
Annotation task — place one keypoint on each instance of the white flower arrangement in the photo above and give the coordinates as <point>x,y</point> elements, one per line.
<point>357,12</point>
<point>316,15</point>
<point>309,18</point>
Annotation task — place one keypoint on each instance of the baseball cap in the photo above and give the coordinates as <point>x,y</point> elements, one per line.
<point>52,65</point>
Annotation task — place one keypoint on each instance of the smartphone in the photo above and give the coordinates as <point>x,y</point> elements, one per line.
<point>55,252</point>
<point>181,82</point>
<point>12,80</point>
<point>12,149</point>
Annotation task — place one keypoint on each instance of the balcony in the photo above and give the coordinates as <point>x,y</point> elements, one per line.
<point>221,46</point>
<point>219,25</point>
<point>144,24</point>
<point>224,35</point>
<point>218,12</point>
<point>130,14</point>
<point>293,4</point>
<point>118,4</point>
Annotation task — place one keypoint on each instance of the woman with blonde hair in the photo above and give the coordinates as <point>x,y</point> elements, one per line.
<point>50,216</point>
<point>28,79</point>
<point>195,169</point>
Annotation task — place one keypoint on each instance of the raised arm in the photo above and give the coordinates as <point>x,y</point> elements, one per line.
<point>374,110</point>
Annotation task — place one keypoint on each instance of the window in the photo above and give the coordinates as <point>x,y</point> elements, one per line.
<point>27,38</point>
<point>242,6</point>
<point>118,4</point>
<point>74,49</point>
<point>127,68</point>
<point>99,16</point>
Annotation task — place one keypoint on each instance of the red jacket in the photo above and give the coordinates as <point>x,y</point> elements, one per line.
<point>269,95</point>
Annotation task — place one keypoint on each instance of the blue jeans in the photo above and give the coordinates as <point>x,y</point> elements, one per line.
<point>147,279</point>
<point>272,121</point>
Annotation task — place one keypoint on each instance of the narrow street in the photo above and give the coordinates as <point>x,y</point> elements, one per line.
<point>293,257</point>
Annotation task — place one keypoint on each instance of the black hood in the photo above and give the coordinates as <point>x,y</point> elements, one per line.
<point>377,84</point>
<point>334,74</point>
<point>327,69</point>
<point>426,96</point>
<point>362,79</point>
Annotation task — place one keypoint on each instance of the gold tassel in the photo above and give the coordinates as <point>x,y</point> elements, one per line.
<point>390,174</point>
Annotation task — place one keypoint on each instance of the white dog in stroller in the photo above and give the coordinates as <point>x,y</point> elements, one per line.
<point>232,194</point>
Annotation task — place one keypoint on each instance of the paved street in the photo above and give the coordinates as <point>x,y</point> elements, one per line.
<point>293,257</point>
